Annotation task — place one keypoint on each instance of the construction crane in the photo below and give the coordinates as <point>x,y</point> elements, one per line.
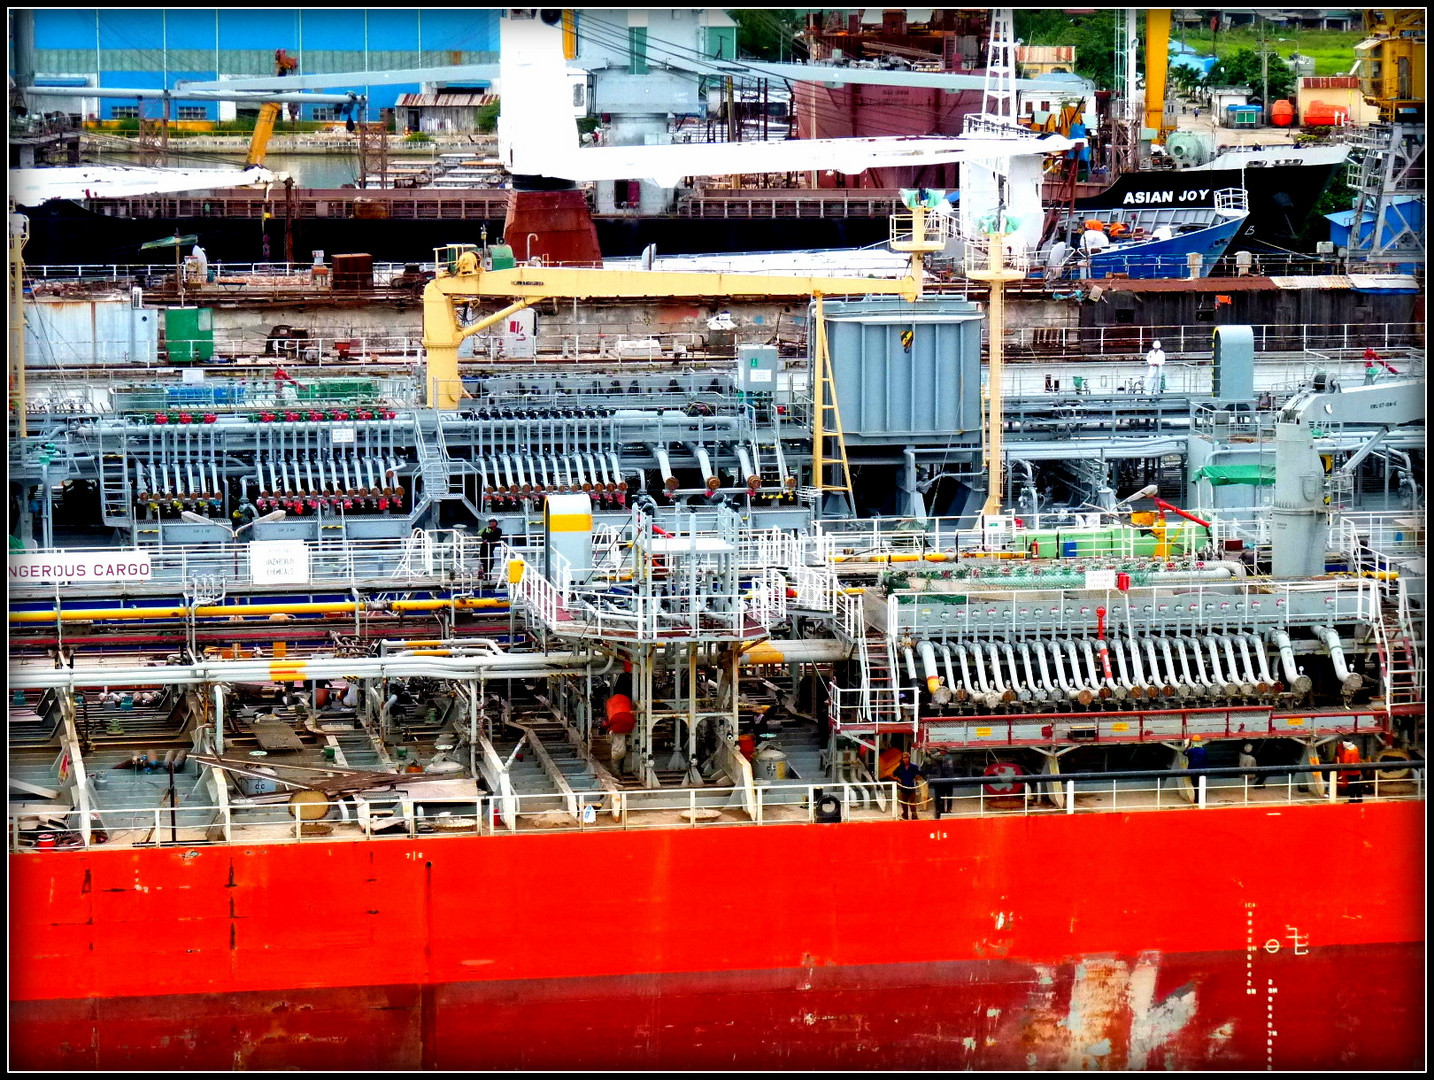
<point>268,113</point>
<point>1390,63</point>
<point>1157,62</point>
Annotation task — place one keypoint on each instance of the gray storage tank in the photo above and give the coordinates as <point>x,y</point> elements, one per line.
<point>906,372</point>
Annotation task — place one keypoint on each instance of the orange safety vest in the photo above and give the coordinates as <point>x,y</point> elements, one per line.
<point>1348,756</point>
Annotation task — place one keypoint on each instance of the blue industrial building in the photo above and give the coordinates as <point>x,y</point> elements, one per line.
<point>144,48</point>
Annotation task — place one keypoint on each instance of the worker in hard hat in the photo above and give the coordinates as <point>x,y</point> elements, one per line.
<point>1155,369</point>
<point>1247,761</point>
<point>1352,780</point>
<point>1196,757</point>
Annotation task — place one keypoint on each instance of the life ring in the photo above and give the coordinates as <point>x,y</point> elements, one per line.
<point>1393,754</point>
<point>1005,778</point>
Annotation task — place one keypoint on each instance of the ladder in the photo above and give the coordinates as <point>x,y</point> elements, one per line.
<point>834,492</point>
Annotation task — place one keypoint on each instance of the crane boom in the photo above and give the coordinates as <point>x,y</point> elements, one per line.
<point>1157,62</point>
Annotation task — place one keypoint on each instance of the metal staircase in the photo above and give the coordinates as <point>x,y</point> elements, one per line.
<point>1400,647</point>
<point>433,460</point>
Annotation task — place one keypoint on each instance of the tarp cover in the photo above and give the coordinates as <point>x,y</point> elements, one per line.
<point>1220,475</point>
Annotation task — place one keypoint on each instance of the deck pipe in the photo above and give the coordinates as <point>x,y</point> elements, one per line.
<point>1246,688</point>
<point>1349,681</point>
<point>1263,660</point>
<point>1123,678</point>
<point>1069,690</point>
<point>338,607</point>
<point>1022,690</point>
<point>1252,676</point>
<point>940,693</point>
<point>998,678</point>
<point>1228,686</point>
<point>1086,693</point>
<point>1205,687</point>
<point>958,692</point>
<point>1097,679</point>
<point>507,665</point>
<point>1182,686</point>
<point>1299,684</point>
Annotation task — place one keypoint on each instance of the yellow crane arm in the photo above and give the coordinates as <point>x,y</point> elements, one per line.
<point>1157,62</point>
<point>442,332</point>
<point>263,128</point>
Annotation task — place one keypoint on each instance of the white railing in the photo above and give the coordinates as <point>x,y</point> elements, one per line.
<point>331,562</point>
<point>414,815</point>
<point>1197,606</point>
<point>765,603</point>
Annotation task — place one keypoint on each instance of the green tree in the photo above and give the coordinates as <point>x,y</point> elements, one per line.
<point>766,33</point>
<point>1243,68</point>
<point>1092,35</point>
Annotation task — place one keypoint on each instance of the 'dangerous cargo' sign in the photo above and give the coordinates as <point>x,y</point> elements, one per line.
<point>60,567</point>
<point>278,562</point>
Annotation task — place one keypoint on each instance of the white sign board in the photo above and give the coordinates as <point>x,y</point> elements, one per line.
<point>80,566</point>
<point>278,562</point>
<point>342,434</point>
<point>1100,579</point>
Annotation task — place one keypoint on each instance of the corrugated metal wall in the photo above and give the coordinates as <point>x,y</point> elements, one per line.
<point>87,333</point>
<point>925,389</point>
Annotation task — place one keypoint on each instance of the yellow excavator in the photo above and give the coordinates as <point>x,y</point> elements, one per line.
<point>268,114</point>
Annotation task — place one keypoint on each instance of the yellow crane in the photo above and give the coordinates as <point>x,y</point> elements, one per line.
<point>1157,63</point>
<point>268,114</point>
<point>1390,63</point>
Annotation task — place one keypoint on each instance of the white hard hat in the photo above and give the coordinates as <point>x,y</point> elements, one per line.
<point>1248,748</point>
<point>1155,344</point>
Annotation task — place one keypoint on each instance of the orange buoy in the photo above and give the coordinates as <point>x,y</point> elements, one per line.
<point>620,717</point>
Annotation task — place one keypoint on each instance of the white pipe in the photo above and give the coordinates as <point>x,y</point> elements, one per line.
<point>218,718</point>
<point>1085,693</point>
<point>1055,651</point>
<point>1196,665</point>
<point>616,469</point>
<point>514,665</point>
<point>1037,694</point>
<point>958,691</point>
<point>1097,678</point>
<point>998,677</point>
<point>1158,679</point>
<point>1137,668</point>
<point>1299,684</point>
<point>664,468</point>
<point>704,464</point>
<point>1022,690</point>
<point>1262,686</point>
<point>1262,660</point>
<point>1117,690</point>
<point>1228,687</point>
<point>960,651</point>
<point>1233,666</point>
<point>940,694</point>
<point>1349,680</point>
<point>745,464</point>
<point>910,664</point>
<point>1035,647</point>
<point>1183,688</point>
<point>1122,678</point>
<point>507,463</point>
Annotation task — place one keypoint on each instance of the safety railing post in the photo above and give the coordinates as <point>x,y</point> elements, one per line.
<point>1201,790</point>
<point>1070,796</point>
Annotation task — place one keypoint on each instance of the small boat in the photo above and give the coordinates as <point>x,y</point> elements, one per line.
<point>1143,241</point>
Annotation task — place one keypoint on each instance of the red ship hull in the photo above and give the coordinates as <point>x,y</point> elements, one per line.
<point>1289,938</point>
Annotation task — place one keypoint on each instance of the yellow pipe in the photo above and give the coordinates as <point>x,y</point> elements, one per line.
<point>221,611</point>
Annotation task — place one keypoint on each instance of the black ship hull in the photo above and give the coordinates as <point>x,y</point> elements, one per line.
<point>1281,198</point>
